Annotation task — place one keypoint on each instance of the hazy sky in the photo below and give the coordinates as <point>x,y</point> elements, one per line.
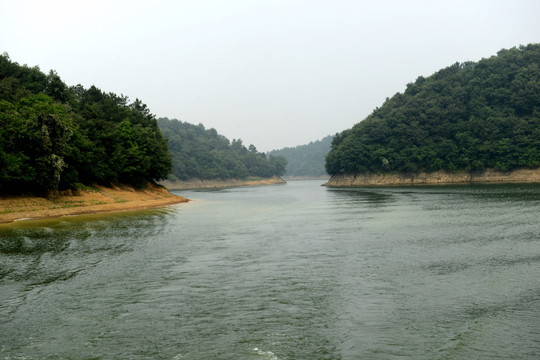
<point>274,73</point>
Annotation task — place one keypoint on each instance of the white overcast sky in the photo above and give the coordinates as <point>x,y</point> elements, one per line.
<point>274,73</point>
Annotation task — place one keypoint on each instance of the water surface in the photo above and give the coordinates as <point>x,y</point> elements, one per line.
<point>294,271</point>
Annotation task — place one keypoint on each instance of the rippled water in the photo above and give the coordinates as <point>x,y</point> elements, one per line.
<point>294,271</point>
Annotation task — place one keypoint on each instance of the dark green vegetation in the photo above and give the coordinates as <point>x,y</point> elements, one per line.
<point>306,160</point>
<point>57,137</point>
<point>199,153</point>
<point>470,116</point>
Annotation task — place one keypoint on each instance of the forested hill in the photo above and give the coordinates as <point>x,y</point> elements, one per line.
<point>199,153</point>
<point>469,116</point>
<point>306,160</point>
<point>57,137</point>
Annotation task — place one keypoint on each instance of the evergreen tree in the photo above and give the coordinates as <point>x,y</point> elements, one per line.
<point>470,116</point>
<point>199,153</point>
<point>54,137</point>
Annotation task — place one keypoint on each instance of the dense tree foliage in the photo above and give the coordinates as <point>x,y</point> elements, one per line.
<point>469,116</point>
<point>199,153</point>
<point>57,137</point>
<point>306,160</point>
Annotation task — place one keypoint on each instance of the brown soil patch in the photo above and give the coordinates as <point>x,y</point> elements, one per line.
<point>96,200</point>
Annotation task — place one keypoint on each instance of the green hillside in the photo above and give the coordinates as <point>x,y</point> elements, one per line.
<point>57,137</point>
<point>469,116</point>
<point>306,160</point>
<point>199,153</point>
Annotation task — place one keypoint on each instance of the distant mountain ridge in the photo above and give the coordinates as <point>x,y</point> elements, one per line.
<point>203,154</point>
<point>306,160</point>
<point>470,116</point>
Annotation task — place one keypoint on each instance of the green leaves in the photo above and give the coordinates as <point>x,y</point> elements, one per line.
<point>53,137</point>
<point>470,116</point>
<point>199,153</point>
<point>35,138</point>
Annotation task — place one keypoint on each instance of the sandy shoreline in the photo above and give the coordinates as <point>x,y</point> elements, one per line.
<point>216,184</point>
<point>439,177</point>
<point>96,200</point>
<point>300,178</point>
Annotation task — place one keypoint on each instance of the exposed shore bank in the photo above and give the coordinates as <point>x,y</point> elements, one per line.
<point>90,201</point>
<point>215,184</point>
<point>439,177</point>
<point>297,178</point>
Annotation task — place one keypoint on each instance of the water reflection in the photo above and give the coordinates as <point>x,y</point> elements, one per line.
<point>38,252</point>
<point>288,272</point>
<point>364,196</point>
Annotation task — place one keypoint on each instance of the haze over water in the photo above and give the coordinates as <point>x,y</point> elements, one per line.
<point>294,271</point>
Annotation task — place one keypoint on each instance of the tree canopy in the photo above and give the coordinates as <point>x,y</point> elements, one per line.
<point>306,160</point>
<point>469,116</point>
<point>57,137</point>
<point>200,153</point>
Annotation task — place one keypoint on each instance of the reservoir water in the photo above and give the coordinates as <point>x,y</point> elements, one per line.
<point>294,271</point>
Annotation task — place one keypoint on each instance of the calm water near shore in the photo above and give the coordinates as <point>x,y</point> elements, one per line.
<point>294,271</point>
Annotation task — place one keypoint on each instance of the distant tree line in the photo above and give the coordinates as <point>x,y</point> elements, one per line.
<point>306,160</point>
<point>200,153</point>
<point>57,137</point>
<point>469,116</point>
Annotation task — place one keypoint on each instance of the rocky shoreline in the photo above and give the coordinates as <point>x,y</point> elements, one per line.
<point>86,201</point>
<point>439,177</point>
<point>216,184</point>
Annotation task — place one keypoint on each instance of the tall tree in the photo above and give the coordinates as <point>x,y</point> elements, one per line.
<point>55,137</point>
